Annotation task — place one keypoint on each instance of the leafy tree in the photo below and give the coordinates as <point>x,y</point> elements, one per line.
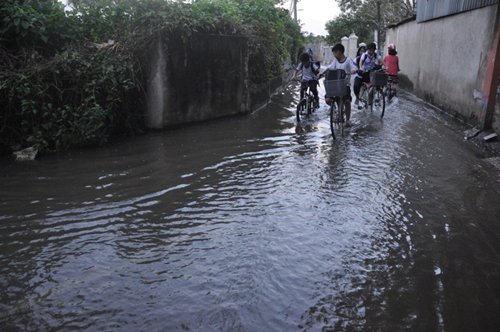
<point>404,7</point>
<point>41,25</point>
<point>364,16</point>
<point>345,24</point>
<point>312,38</point>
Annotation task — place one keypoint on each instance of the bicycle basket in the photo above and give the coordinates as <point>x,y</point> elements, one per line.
<point>378,78</point>
<point>335,74</point>
<point>336,88</point>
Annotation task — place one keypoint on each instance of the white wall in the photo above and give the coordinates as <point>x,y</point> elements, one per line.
<point>327,55</point>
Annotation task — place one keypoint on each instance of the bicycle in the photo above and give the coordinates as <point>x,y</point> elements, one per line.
<point>372,94</point>
<point>390,89</point>
<point>336,88</point>
<point>306,105</point>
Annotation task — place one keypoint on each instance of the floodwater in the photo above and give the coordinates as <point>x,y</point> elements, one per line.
<point>255,224</point>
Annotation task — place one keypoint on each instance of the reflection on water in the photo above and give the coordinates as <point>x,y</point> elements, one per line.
<point>257,224</point>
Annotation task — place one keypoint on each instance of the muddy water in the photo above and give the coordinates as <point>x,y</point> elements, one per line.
<point>256,224</point>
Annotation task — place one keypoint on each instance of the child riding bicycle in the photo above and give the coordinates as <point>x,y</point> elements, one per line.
<point>369,61</point>
<point>358,79</point>
<point>309,78</point>
<point>391,65</point>
<point>391,61</point>
<point>344,63</point>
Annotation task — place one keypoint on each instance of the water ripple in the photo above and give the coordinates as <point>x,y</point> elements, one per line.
<point>257,224</point>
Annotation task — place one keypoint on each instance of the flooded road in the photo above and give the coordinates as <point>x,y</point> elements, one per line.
<point>255,224</point>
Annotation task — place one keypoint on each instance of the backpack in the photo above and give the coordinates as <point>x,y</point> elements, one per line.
<point>315,71</point>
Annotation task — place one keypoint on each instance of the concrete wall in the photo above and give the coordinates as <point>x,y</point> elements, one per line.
<point>327,55</point>
<point>195,78</point>
<point>317,49</point>
<point>260,95</point>
<point>350,44</point>
<point>445,59</point>
<point>352,47</point>
<point>323,51</point>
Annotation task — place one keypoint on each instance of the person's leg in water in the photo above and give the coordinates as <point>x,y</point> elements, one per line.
<point>366,79</point>
<point>313,85</point>
<point>303,88</point>
<point>347,107</point>
<point>357,87</point>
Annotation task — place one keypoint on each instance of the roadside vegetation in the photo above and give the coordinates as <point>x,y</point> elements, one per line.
<point>73,77</point>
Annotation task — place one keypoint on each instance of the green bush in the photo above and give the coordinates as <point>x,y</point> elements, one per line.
<point>74,99</point>
<point>59,89</point>
<point>40,25</point>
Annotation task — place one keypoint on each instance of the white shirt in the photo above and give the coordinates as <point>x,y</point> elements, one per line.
<point>307,73</point>
<point>369,62</point>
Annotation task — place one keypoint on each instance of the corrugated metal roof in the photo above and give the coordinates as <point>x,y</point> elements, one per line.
<point>431,9</point>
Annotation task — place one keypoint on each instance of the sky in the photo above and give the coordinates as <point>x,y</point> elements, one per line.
<point>313,14</point>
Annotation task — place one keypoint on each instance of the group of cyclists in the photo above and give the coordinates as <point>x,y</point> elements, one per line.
<point>367,60</point>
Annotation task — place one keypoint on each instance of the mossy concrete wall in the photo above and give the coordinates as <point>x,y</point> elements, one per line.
<point>197,77</point>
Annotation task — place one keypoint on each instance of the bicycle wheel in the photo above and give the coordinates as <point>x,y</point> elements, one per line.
<point>379,100</point>
<point>363,96</point>
<point>392,92</point>
<point>371,95</point>
<point>388,90</point>
<point>310,104</point>
<point>382,102</point>
<point>341,117</point>
<point>300,111</point>
<point>332,119</point>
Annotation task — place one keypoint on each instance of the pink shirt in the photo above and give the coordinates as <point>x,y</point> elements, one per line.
<point>392,64</point>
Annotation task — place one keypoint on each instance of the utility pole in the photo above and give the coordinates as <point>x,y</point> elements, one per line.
<point>295,10</point>
<point>379,19</point>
